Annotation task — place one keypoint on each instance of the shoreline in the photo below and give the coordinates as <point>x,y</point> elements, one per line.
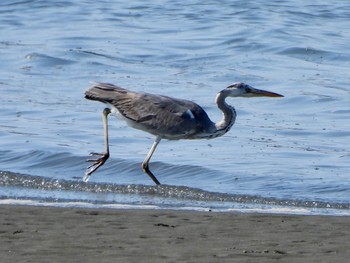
<point>266,209</point>
<point>56,234</point>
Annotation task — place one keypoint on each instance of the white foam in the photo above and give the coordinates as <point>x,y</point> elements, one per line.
<point>240,209</point>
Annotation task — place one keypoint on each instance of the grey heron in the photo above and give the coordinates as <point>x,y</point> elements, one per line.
<point>164,117</point>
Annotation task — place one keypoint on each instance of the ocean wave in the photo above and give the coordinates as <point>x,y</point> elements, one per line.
<point>181,193</point>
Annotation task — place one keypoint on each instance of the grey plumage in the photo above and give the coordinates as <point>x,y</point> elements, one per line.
<point>165,117</point>
<point>162,116</point>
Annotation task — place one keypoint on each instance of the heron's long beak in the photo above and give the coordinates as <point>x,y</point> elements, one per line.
<point>264,93</point>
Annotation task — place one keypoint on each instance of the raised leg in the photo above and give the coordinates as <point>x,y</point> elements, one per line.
<point>146,161</point>
<point>103,156</point>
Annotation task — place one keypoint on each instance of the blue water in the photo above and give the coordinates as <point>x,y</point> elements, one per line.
<point>289,154</point>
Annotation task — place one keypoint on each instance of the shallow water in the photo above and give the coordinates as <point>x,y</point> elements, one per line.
<point>282,154</point>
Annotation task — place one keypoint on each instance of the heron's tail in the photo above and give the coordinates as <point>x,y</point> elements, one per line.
<point>103,92</point>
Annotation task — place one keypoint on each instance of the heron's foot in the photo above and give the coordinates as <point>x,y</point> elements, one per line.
<point>96,164</point>
<point>149,173</point>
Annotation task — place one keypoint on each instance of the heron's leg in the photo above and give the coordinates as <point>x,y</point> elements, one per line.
<point>104,156</point>
<point>146,161</point>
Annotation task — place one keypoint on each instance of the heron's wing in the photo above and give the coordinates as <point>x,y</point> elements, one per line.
<point>159,115</point>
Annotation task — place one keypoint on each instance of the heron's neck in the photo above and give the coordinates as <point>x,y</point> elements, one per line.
<point>229,114</point>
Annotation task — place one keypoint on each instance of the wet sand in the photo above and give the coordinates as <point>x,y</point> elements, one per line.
<point>49,234</point>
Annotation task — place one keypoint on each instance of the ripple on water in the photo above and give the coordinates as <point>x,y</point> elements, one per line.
<point>43,60</point>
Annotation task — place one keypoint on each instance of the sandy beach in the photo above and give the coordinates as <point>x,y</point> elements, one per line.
<point>50,234</point>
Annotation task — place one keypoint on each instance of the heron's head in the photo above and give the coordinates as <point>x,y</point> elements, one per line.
<point>240,89</point>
